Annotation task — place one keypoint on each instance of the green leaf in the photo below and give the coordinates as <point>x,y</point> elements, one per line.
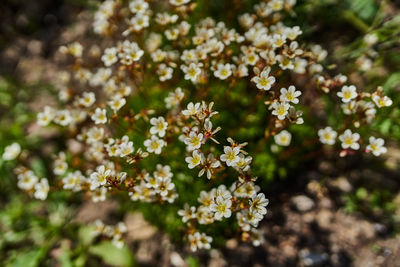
<point>28,259</point>
<point>85,235</point>
<point>392,82</point>
<point>112,255</point>
<point>192,261</point>
<point>365,9</point>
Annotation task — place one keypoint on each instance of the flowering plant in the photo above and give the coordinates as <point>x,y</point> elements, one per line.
<point>167,103</point>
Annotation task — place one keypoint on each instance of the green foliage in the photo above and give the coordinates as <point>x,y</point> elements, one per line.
<point>30,229</point>
<point>376,202</point>
<point>112,255</point>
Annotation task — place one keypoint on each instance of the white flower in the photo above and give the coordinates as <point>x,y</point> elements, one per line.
<point>164,72</point>
<point>209,164</point>
<point>243,162</point>
<point>278,40</point>
<point>187,213</point>
<point>221,207</point>
<point>283,138</point>
<point>192,72</point>
<point>130,52</point>
<point>205,241</point>
<point>280,109</point>
<point>87,99</point>
<point>193,141</point>
<point>264,82</point>
<point>99,177</point>
<point>154,144</point>
<point>99,116</point>
<point>231,155</point>
<point>347,93</point>
<point>382,101</point>
<point>110,56</point>
<point>376,146</point>
<point>257,237</point>
<point>125,149</point>
<point>138,22</point>
<point>327,136</point>
<point>12,151</point>
<point>60,167</point>
<point>73,181</point>
<point>174,98</point>
<point>258,204</point>
<point>45,117</point>
<point>191,109</point>
<point>118,242</point>
<point>223,71</point>
<point>349,107</point>
<point>172,34</point>
<point>138,6</point>
<point>41,189</point>
<point>163,172</point>
<point>194,241</point>
<point>27,180</point>
<point>159,126</point>
<point>179,2</point>
<point>63,117</point>
<point>195,159</point>
<point>350,139</point>
<point>117,102</point>
<point>99,194</point>
<point>290,95</point>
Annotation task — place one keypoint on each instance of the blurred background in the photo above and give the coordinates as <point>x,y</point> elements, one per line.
<point>329,212</point>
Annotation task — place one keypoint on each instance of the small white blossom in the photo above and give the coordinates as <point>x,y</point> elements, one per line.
<point>27,180</point>
<point>195,159</point>
<point>99,194</point>
<point>154,144</point>
<point>221,207</point>
<point>350,140</point>
<point>264,81</point>
<point>187,213</point>
<point>110,56</point>
<point>231,156</point>
<point>327,136</point>
<point>376,146</point>
<point>193,141</point>
<point>191,109</point>
<point>117,102</point>
<point>258,204</point>
<point>280,109</point>
<point>347,93</point>
<point>99,116</point>
<point>99,177</point>
<point>159,126</point>
<point>41,189</point>
<point>382,101</point>
<point>87,99</point>
<point>283,138</point>
<point>179,2</point>
<point>12,151</point>
<point>223,71</point>
<point>192,71</point>
<point>290,95</point>
<point>174,98</point>
<point>45,117</point>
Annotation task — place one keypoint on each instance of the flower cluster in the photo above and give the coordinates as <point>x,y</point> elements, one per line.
<point>122,139</point>
<point>29,182</point>
<point>114,232</point>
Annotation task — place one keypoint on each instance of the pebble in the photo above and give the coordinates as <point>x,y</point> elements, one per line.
<point>303,203</point>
